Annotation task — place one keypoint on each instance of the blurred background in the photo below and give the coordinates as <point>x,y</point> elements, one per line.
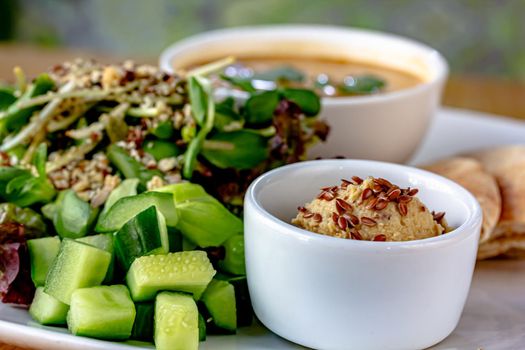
<point>483,40</point>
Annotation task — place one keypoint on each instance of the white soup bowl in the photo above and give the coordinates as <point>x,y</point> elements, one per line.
<point>386,126</point>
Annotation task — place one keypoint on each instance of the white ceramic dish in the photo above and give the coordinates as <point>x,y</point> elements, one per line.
<point>329,293</point>
<point>386,127</point>
<point>493,317</point>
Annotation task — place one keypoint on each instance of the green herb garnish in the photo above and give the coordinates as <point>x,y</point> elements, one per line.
<point>360,85</point>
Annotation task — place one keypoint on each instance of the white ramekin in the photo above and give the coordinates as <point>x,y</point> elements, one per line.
<point>331,293</point>
<point>385,127</point>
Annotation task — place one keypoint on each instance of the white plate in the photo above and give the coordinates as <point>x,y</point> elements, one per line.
<point>494,317</point>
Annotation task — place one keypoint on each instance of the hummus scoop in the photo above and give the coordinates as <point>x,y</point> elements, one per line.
<point>372,209</point>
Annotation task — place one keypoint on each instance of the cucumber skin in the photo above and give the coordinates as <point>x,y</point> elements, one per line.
<point>47,310</point>
<point>42,253</point>
<point>103,312</point>
<point>76,259</point>
<point>219,299</point>
<point>242,298</point>
<point>128,207</point>
<point>189,272</point>
<point>143,326</point>
<point>234,261</point>
<point>140,236</point>
<point>202,328</point>
<point>176,322</point>
<point>103,241</point>
<point>242,301</point>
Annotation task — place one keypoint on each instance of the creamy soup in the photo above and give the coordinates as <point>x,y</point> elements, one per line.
<point>328,77</point>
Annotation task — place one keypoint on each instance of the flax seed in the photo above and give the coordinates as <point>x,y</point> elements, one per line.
<point>354,220</point>
<point>339,208</point>
<point>342,222</point>
<point>403,209</point>
<point>372,203</point>
<point>356,235</point>
<point>393,194</point>
<point>367,193</point>
<point>404,198</point>
<point>381,204</point>
<point>368,221</point>
<point>302,209</point>
<point>413,192</point>
<point>438,216</point>
<point>379,238</point>
<point>344,204</point>
<point>357,180</point>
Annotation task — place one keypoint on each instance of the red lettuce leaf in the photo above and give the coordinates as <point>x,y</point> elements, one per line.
<point>16,286</point>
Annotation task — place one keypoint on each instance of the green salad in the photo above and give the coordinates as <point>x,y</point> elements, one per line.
<point>121,192</point>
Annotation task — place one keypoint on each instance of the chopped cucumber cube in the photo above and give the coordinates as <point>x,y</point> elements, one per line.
<point>144,234</point>
<point>42,252</point>
<point>47,310</point>
<point>182,272</point>
<point>176,322</point>
<point>104,312</point>
<point>103,241</point>
<point>77,265</point>
<point>219,299</point>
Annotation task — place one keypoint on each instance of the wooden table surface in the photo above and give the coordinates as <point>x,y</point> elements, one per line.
<point>486,94</point>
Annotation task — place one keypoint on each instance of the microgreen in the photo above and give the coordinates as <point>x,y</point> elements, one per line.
<point>365,84</point>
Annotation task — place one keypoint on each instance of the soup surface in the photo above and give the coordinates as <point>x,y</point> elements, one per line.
<point>328,77</point>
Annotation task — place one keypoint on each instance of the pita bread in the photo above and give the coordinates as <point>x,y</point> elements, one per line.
<point>470,174</point>
<point>507,165</point>
<point>511,246</point>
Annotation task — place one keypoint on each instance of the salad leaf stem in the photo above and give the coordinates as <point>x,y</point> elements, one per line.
<point>55,125</point>
<point>38,123</point>
<point>211,67</point>
<point>37,140</point>
<point>21,80</point>
<point>85,94</point>
<point>206,104</point>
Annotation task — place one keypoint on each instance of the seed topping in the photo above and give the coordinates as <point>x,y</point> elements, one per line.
<point>393,194</point>
<point>308,215</point>
<point>357,180</point>
<point>342,222</point>
<point>403,209</point>
<point>345,183</point>
<point>381,204</point>
<point>367,193</point>
<point>412,192</point>
<point>365,220</point>
<point>378,193</point>
<point>356,235</point>
<point>344,204</point>
<point>438,216</point>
